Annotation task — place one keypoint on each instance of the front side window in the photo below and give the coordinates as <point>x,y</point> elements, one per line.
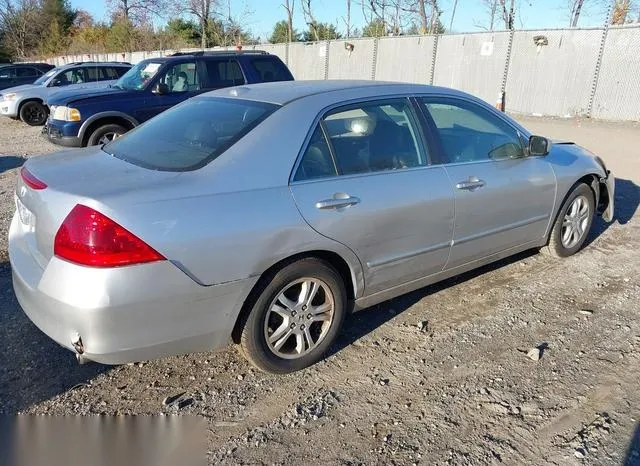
<point>7,72</point>
<point>189,135</point>
<point>70,76</point>
<point>224,73</point>
<point>373,137</point>
<point>181,78</point>
<point>43,79</point>
<point>92,73</point>
<point>470,133</point>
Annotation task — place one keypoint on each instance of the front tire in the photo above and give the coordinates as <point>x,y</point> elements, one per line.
<point>573,223</point>
<point>33,113</point>
<point>105,134</point>
<point>295,318</point>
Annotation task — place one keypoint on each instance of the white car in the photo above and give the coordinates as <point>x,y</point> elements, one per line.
<point>28,102</point>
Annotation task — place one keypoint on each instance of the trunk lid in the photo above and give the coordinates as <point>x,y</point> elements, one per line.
<point>89,176</point>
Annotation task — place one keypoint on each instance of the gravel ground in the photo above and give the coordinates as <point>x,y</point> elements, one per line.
<point>439,376</point>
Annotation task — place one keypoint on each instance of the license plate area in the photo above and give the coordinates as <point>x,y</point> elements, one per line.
<point>27,218</point>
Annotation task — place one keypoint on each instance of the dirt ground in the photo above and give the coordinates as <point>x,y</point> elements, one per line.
<point>439,376</point>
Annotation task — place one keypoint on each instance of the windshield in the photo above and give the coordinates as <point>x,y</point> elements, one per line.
<point>189,135</point>
<point>137,77</point>
<point>42,79</point>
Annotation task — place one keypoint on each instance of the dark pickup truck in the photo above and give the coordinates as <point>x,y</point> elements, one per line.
<point>90,117</point>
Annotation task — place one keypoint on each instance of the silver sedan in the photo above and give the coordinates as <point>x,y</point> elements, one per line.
<point>264,214</point>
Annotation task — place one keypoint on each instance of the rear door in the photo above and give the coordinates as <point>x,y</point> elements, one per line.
<point>503,197</point>
<point>180,82</point>
<point>365,180</point>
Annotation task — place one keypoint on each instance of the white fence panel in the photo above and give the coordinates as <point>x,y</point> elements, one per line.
<point>473,63</point>
<point>417,59</point>
<point>351,64</point>
<point>553,79</point>
<point>307,61</point>
<point>618,91</point>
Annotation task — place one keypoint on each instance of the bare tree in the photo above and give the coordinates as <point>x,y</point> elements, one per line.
<point>289,6</point>
<point>202,10</point>
<point>508,10</point>
<point>137,11</point>
<point>620,11</point>
<point>310,19</point>
<point>575,8</point>
<point>21,24</point>
<point>347,19</point>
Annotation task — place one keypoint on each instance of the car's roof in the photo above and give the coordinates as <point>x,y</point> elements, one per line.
<point>284,92</point>
<point>94,63</point>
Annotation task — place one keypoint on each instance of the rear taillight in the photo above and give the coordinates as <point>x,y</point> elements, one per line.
<point>30,180</point>
<point>87,237</point>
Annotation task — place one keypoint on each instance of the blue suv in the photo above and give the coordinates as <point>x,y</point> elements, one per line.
<point>96,116</point>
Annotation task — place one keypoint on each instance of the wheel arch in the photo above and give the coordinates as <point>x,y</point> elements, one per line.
<point>107,118</point>
<point>592,180</point>
<point>31,99</point>
<point>335,260</point>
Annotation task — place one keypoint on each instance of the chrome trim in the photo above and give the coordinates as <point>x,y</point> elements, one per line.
<point>501,229</point>
<point>390,260</point>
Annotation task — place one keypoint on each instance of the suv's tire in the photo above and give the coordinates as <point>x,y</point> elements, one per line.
<point>34,113</point>
<point>306,327</point>
<point>573,223</point>
<point>105,134</point>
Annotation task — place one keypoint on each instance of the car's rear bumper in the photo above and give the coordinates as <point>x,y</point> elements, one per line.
<point>123,314</point>
<point>56,136</point>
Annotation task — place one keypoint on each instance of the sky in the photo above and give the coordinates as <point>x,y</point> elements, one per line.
<point>471,15</point>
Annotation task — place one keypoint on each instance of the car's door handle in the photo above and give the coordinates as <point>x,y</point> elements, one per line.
<point>338,201</point>
<point>470,184</point>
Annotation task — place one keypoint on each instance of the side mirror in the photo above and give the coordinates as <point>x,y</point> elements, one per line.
<point>56,83</point>
<point>160,89</point>
<point>538,146</point>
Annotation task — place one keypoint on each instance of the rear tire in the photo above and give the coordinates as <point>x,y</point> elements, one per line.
<point>33,113</point>
<point>105,134</point>
<point>296,316</point>
<point>573,223</point>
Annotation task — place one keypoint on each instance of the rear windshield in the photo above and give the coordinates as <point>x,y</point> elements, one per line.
<point>270,69</point>
<point>191,134</point>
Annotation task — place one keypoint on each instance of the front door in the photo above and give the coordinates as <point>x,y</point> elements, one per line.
<point>503,198</point>
<point>366,182</point>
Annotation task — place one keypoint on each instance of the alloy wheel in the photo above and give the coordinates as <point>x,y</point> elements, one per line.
<point>575,222</point>
<point>299,318</point>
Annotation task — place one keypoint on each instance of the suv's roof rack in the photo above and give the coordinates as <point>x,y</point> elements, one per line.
<point>201,53</point>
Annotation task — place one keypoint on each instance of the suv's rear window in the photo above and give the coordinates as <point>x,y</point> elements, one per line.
<point>190,135</point>
<point>270,69</point>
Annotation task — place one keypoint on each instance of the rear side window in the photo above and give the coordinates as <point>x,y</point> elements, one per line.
<point>92,73</point>
<point>224,73</point>
<point>317,161</point>
<point>270,69</point>
<point>121,70</point>
<point>189,135</point>
<point>107,73</point>
<point>27,72</point>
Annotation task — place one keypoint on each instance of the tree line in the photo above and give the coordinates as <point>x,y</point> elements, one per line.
<point>43,28</point>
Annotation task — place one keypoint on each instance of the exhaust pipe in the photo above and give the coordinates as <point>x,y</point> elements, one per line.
<point>78,346</point>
